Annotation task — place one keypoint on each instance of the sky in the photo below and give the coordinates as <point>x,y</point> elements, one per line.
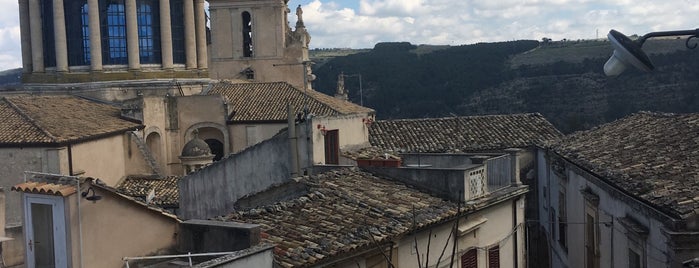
<point>363,23</point>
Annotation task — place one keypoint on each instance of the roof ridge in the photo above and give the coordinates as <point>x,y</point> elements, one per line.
<point>464,116</point>
<point>31,120</point>
<point>307,92</point>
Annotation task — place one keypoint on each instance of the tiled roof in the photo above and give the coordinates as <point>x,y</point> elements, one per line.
<point>371,152</point>
<point>653,156</point>
<point>165,190</point>
<point>268,101</point>
<point>462,134</point>
<point>340,210</point>
<point>44,188</point>
<point>57,119</point>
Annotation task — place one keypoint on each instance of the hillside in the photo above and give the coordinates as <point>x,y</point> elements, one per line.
<point>561,80</point>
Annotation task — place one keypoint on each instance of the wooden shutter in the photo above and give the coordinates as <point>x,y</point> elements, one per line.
<point>470,259</point>
<point>494,257</point>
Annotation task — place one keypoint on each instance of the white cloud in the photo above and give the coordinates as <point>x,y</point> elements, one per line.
<point>363,23</point>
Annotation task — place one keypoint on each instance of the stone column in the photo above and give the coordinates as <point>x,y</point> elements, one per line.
<point>25,34</point>
<point>132,35</point>
<point>93,13</point>
<point>202,58</point>
<point>165,34</point>
<point>190,43</point>
<point>36,36</point>
<point>59,35</point>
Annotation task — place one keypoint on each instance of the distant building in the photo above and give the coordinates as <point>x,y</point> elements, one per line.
<point>252,41</point>
<point>71,43</point>
<point>623,194</point>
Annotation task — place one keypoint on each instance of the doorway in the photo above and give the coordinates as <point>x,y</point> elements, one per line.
<point>45,231</point>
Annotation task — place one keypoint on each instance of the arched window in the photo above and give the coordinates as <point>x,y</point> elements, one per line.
<point>77,32</point>
<point>148,31</point>
<point>113,24</point>
<point>247,35</point>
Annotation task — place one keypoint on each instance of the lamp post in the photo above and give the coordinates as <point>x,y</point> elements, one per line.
<point>361,94</point>
<point>628,52</point>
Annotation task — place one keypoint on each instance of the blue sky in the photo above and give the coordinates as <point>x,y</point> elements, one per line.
<point>363,23</point>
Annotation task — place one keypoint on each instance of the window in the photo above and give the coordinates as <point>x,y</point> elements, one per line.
<point>78,33</point>
<point>247,35</point>
<point>494,257</point>
<point>148,31</point>
<point>470,259</point>
<point>562,218</point>
<point>592,249</point>
<point>177,24</point>
<point>113,32</point>
<point>49,45</point>
<point>636,235</point>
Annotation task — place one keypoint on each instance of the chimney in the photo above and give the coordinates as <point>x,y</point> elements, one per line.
<point>341,93</point>
<point>514,166</point>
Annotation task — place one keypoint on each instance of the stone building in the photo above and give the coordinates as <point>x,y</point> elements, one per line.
<point>252,40</point>
<point>68,44</point>
<point>623,194</point>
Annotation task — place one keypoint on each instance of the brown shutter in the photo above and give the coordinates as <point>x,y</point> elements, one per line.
<point>470,259</point>
<point>494,257</point>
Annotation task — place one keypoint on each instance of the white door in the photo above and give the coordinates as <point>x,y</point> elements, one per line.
<point>45,231</point>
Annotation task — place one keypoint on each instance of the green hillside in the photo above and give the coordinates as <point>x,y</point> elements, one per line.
<point>561,80</point>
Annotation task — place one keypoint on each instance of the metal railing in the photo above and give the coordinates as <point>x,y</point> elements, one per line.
<point>189,256</point>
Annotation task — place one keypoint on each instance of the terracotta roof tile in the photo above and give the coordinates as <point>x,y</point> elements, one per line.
<point>267,101</point>
<point>340,210</point>
<point>44,188</point>
<point>462,134</point>
<point>57,119</point>
<point>653,156</point>
<point>166,190</point>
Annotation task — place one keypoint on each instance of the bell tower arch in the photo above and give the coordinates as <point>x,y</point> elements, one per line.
<point>255,37</point>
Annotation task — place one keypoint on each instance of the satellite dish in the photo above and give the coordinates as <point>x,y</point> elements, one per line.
<point>626,52</point>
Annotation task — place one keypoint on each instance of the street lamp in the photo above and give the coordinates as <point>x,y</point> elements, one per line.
<point>629,53</point>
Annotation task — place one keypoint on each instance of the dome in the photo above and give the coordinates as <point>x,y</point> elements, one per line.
<point>196,148</point>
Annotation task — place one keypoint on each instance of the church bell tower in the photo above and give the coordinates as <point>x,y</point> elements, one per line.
<point>252,40</point>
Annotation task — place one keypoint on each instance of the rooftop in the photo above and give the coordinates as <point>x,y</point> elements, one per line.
<point>165,190</point>
<point>653,156</point>
<point>344,211</point>
<point>462,134</point>
<point>34,120</point>
<point>268,101</point>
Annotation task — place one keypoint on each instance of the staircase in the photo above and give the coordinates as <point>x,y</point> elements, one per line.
<point>146,154</point>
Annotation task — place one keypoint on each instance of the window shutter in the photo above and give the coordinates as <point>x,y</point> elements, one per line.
<point>469,259</point>
<point>494,257</point>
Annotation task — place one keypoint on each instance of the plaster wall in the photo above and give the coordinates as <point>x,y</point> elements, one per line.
<point>114,227</point>
<point>103,158</point>
<point>496,230</point>
<point>263,131</point>
<point>15,162</point>
<point>352,131</point>
<point>613,236</point>
<point>214,190</point>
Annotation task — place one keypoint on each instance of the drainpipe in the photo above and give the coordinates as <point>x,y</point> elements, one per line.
<point>293,145</point>
<point>516,232</point>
